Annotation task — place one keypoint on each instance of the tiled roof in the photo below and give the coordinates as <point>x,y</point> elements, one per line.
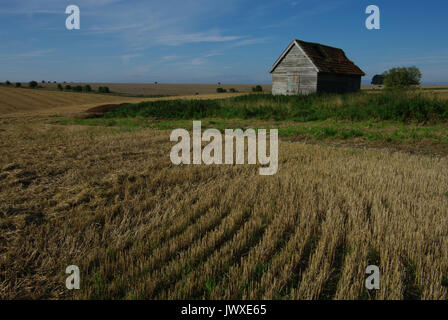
<point>330,60</point>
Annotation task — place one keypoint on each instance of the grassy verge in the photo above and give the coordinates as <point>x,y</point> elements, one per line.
<point>389,117</point>
<point>405,107</point>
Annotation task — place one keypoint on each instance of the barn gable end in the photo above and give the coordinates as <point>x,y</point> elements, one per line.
<point>306,67</point>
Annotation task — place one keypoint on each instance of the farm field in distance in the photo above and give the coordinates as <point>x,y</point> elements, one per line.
<point>17,100</point>
<point>354,187</point>
<point>162,89</point>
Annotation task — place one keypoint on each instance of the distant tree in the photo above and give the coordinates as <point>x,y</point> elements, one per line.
<point>399,78</point>
<point>156,82</point>
<point>32,84</point>
<point>43,81</point>
<point>60,87</point>
<point>68,88</point>
<point>103,90</point>
<point>7,83</point>
<point>77,88</point>
<point>233,90</point>
<point>87,88</point>
<point>18,84</point>
<point>54,82</point>
<point>257,88</point>
<point>221,90</point>
<point>378,79</point>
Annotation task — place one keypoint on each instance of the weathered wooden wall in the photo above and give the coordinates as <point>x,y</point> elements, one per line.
<point>295,74</point>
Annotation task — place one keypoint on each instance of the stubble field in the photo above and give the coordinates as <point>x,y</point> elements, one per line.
<point>108,200</point>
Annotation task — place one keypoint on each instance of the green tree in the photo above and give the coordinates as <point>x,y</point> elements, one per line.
<point>402,78</point>
<point>257,88</point>
<point>77,88</point>
<point>18,84</point>
<point>87,88</point>
<point>378,79</point>
<point>32,84</point>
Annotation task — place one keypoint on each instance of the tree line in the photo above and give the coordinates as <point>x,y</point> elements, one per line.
<point>66,87</point>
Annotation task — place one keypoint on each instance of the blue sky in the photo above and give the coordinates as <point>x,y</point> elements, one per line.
<point>208,41</point>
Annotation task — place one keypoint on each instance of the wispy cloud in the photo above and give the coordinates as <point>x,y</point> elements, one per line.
<point>315,9</point>
<point>249,42</point>
<point>38,53</point>
<point>23,55</point>
<point>176,39</point>
<point>170,58</point>
<point>113,29</point>
<point>422,60</point>
<point>197,61</point>
<point>128,57</point>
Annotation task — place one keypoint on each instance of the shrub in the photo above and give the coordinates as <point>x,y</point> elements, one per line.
<point>399,78</point>
<point>378,79</point>
<point>7,83</point>
<point>257,88</point>
<point>87,88</point>
<point>18,84</point>
<point>233,90</point>
<point>103,90</point>
<point>32,84</point>
<point>221,90</point>
<point>77,88</point>
<point>68,88</point>
<point>60,87</point>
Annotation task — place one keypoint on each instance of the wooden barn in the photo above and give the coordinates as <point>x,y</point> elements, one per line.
<point>306,67</point>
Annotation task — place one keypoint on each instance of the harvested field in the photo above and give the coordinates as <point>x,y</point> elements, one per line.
<point>13,100</point>
<point>23,100</point>
<point>139,228</point>
<point>109,200</point>
<point>165,89</point>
